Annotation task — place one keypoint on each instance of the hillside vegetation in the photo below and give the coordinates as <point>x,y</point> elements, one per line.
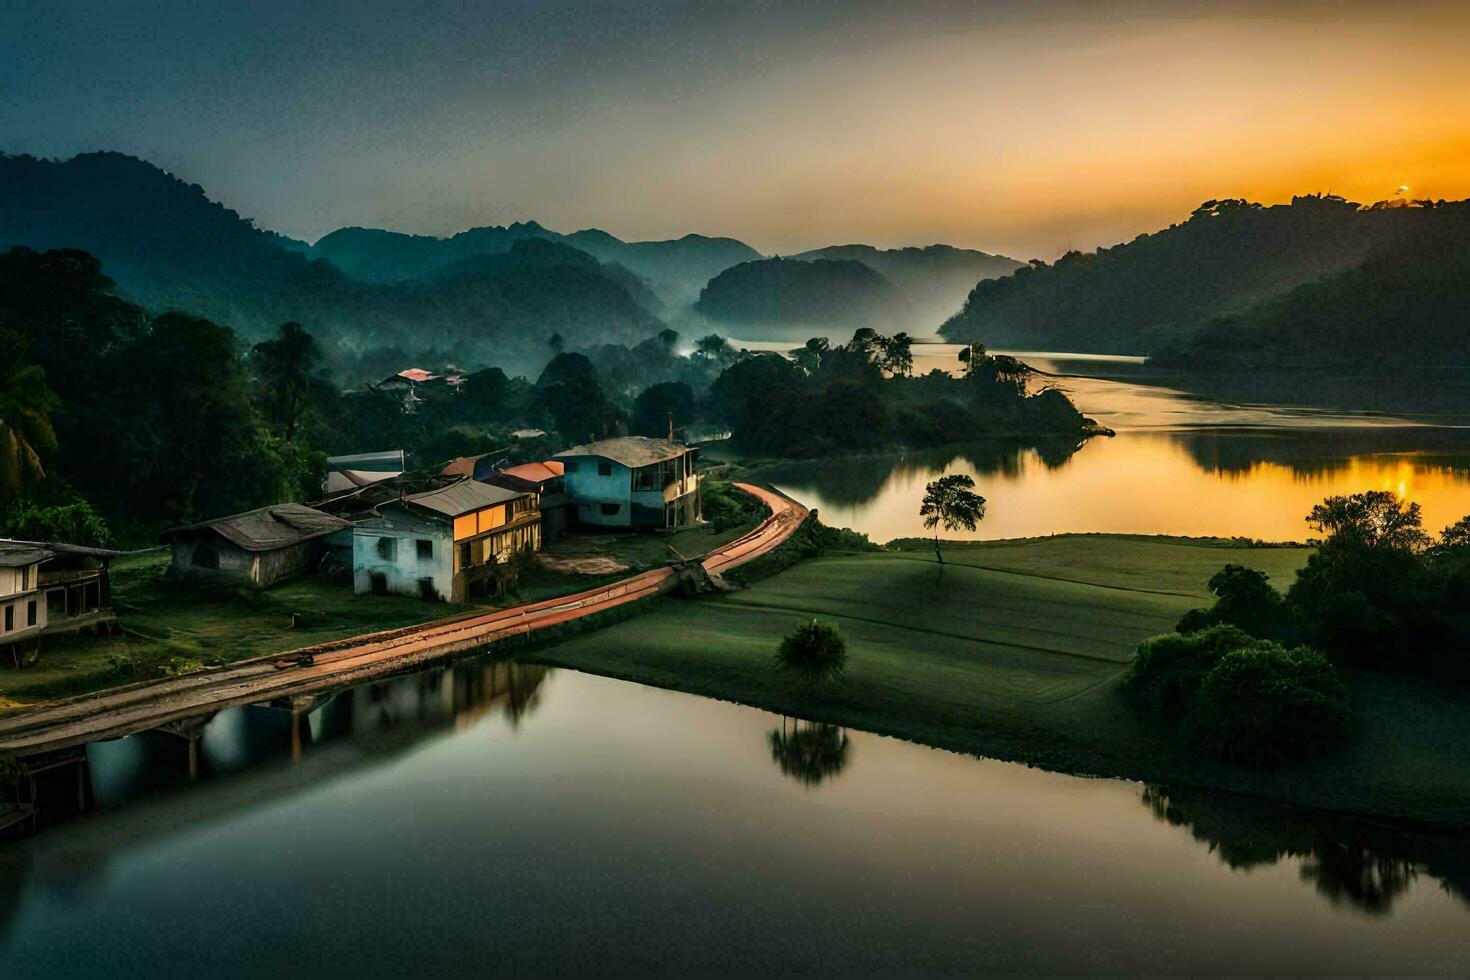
<point>1137,297</point>
<point>772,297</point>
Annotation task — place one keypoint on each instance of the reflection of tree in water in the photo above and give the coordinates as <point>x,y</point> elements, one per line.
<point>850,481</point>
<point>809,752</point>
<point>1363,865</point>
<point>1325,452</point>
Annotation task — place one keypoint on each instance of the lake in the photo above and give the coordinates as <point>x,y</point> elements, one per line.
<point>1181,463</point>
<point>487,817</point>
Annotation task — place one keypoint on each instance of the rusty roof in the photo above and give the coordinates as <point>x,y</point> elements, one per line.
<point>629,450</point>
<point>463,497</point>
<point>269,528</point>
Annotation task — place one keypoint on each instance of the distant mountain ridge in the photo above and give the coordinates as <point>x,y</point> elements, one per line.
<point>934,279</point>
<point>674,270</point>
<point>1143,295</point>
<point>170,247</point>
<point>770,298</point>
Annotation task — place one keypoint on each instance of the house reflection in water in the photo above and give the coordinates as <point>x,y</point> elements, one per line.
<point>328,734</point>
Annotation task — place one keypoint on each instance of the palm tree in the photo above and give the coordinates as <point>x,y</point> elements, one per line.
<point>952,501</point>
<point>25,416</point>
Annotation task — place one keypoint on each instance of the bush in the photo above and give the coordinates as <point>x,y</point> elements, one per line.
<point>1244,598</point>
<point>1264,703</point>
<point>1167,670</point>
<point>816,653</point>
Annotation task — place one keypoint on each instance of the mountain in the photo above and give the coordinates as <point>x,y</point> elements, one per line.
<point>1136,297</point>
<point>673,271</point>
<point>934,280</point>
<point>790,299</point>
<point>1406,304</point>
<point>169,247</point>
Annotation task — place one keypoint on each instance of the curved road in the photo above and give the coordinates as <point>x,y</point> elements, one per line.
<point>138,707</point>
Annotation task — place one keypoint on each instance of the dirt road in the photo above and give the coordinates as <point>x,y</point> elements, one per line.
<point>138,707</point>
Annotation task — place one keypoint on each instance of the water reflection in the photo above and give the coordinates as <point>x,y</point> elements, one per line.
<point>1255,484</point>
<point>809,752</point>
<point>1365,866</point>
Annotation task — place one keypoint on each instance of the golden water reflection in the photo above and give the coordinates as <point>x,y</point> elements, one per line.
<point>1226,484</point>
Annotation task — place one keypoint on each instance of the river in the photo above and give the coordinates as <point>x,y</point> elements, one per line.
<point>1181,463</point>
<point>488,818</point>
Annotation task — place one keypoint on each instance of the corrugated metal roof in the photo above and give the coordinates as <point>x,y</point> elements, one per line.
<point>20,555</point>
<point>536,472</point>
<point>629,450</point>
<point>269,528</point>
<point>464,497</point>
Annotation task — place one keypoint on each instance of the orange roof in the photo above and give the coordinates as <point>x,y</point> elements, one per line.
<point>462,466</point>
<point>537,472</point>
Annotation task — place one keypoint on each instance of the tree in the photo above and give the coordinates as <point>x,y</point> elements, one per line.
<point>897,354</point>
<point>1245,599</point>
<point>972,355</point>
<point>75,523</point>
<point>1374,519</point>
<point>669,338</point>
<point>288,367</point>
<point>652,409</point>
<point>815,653</point>
<point>557,343</point>
<point>26,435</point>
<point>951,501</point>
<point>712,347</point>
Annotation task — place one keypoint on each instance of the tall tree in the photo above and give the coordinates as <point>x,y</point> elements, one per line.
<point>287,367</point>
<point>951,501</point>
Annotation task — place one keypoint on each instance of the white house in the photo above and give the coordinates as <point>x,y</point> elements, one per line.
<point>633,481</point>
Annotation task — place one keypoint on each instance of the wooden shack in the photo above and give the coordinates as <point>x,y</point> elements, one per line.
<point>259,547</point>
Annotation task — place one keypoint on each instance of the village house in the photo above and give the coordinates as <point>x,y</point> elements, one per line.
<point>548,481</point>
<point>49,587</point>
<point>259,547</point>
<point>451,542</point>
<point>633,481</point>
<point>415,385</point>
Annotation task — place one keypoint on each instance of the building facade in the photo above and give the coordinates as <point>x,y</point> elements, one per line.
<point>633,481</point>
<point>453,543</point>
<point>48,587</point>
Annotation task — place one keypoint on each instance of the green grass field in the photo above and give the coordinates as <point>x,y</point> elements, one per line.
<point>1014,653</point>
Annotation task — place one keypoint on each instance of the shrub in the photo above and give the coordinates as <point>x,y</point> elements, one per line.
<point>1263,703</point>
<point>1244,598</point>
<point>815,653</point>
<point>1167,670</point>
<point>724,507</point>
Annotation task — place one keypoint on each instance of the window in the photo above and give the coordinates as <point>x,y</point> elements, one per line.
<point>378,582</point>
<point>31,613</point>
<point>426,588</point>
<point>388,549</point>
<point>611,510</point>
<point>426,549</point>
<point>9,618</point>
<point>604,469</point>
<point>464,555</point>
<point>55,603</point>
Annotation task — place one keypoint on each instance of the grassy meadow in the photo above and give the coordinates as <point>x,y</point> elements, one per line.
<point>1014,652</point>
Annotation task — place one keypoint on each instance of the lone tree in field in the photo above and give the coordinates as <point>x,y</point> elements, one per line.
<point>951,501</point>
<point>815,653</point>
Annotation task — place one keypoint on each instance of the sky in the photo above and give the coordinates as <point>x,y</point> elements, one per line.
<point>1025,128</point>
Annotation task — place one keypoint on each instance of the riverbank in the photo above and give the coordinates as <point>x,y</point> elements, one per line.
<point>1014,652</point>
<point>171,628</point>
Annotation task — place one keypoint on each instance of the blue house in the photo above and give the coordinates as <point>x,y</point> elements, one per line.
<point>633,481</point>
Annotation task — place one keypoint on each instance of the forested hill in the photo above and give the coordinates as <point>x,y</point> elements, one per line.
<point>673,270</point>
<point>934,280</point>
<point>168,246</point>
<point>1137,297</point>
<point>784,298</point>
<point>1407,304</point>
